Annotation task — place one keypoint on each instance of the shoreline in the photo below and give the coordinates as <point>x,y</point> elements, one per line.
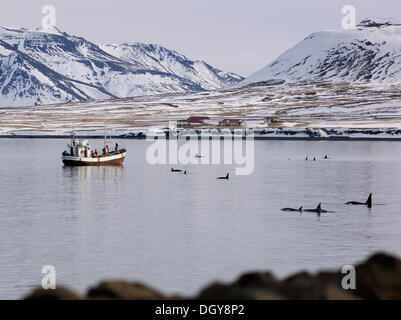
<point>143,137</point>
<point>287,133</point>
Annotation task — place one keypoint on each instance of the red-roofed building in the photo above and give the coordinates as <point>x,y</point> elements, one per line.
<point>197,120</point>
<point>193,120</point>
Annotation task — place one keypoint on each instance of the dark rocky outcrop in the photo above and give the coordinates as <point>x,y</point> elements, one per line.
<point>57,294</point>
<point>256,286</point>
<point>123,290</point>
<point>379,277</point>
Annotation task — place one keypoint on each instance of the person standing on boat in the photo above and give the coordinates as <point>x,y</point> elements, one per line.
<point>116,146</point>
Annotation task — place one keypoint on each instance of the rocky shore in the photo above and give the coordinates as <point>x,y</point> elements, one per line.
<point>379,277</point>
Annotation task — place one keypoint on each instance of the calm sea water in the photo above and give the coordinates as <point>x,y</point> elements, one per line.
<point>177,232</point>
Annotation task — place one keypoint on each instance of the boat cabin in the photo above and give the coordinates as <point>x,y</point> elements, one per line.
<point>80,148</point>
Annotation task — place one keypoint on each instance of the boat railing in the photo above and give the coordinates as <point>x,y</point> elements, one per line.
<point>111,153</point>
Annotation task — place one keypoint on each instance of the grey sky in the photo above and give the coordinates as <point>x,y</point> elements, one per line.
<point>238,36</point>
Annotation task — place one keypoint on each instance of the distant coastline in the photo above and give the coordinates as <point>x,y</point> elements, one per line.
<point>256,138</point>
<point>302,134</point>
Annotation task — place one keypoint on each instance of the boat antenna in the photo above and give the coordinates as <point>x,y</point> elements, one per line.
<point>72,134</point>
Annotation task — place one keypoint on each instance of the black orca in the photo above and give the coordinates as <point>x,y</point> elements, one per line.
<point>292,209</point>
<point>326,157</point>
<point>314,159</point>
<point>198,156</point>
<point>224,178</point>
<point>185,172</point>
<point>318,209</point>
<point>306,158</point>
<point>175,170</point>
<point>367,203</point>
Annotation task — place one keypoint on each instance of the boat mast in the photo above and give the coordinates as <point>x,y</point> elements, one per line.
<point>105,137</point>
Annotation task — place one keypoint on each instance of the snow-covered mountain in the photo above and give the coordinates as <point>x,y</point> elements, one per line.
<point>154,57</point>
<point>41,67</point>
<point>370,52</point>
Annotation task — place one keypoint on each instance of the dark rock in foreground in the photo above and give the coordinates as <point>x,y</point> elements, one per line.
<point>122,290</point>
<point>57,294</point>
<point>377,278</point>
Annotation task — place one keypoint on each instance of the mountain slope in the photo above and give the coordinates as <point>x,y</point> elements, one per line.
<point>157,58</point>
<point>90,69</point>
<point>370,52</point>
<point>24,80</point>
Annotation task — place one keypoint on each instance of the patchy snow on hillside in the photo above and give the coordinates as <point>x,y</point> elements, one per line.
<point>317,106</point>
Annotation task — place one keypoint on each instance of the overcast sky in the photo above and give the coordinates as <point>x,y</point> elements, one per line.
<point>238,36</point>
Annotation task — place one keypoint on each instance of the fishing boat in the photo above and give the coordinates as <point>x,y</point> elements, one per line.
<point>79,153</point>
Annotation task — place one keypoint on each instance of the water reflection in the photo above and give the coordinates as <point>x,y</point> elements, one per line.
<point>88,188</point>
<point>88,172</point>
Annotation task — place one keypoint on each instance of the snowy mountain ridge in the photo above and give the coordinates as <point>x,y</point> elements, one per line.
<point>374,22</point>
<point>49,66</point>
<point>371,52</point>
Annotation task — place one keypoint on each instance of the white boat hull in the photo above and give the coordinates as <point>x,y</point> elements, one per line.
<point>110,160</point>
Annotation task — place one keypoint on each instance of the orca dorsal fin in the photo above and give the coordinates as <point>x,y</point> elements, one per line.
<point>228,176</point>
<point>369,201</point>
<point>300,209</point>
<point>319,206</point>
